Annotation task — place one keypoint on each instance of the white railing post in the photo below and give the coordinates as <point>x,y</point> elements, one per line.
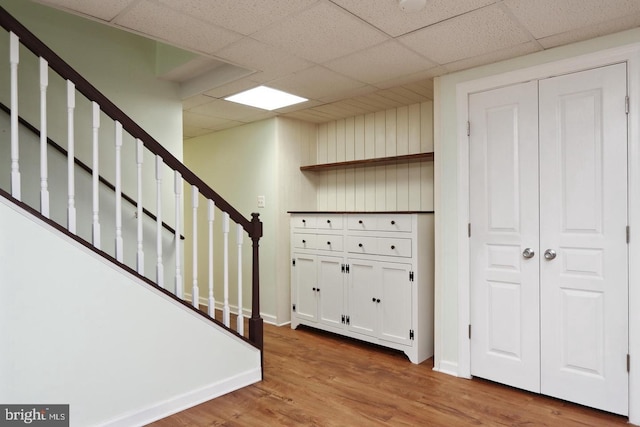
<point>240,318</point>
<point>95,177</point>
<point>226,317</point>
<point>44,172</point>
<point>71,183</point>
<point>118,144</point>
<point>178,192</point>
<point>14,58</point>
<point>195,291</point>
<point>139,208</point>
<point>159,265</point>
<point>210,219</point>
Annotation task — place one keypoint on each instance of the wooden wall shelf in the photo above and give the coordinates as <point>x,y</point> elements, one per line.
<point>381,161</point>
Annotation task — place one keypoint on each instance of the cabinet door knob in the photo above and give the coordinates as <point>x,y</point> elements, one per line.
<point>314,289</point>
<point>318,289</point>
<point>393,247</point>
<point>373,299</point>
<point>378,300</point>
<point>359,245</point>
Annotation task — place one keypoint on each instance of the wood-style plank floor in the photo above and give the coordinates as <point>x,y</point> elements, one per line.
<point>312,378</point>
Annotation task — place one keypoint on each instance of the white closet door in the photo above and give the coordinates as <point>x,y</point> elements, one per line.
<point>504,223</point>
<point>583,218</point>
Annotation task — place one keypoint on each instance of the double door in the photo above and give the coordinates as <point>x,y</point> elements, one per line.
<point>548,245</point>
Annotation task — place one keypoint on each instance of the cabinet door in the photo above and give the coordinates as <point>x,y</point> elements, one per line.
<point>363,293</point>
<point>304,282</point>
<point>330,290</point>
<point>394,309</point>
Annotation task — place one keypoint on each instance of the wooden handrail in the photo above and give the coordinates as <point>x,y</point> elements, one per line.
<point>86,168</point>
<point>31,42</point>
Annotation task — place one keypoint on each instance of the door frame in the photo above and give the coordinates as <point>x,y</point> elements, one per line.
<point>630,55</point>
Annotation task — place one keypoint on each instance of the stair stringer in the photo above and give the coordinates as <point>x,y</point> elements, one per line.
<point>75,328</point>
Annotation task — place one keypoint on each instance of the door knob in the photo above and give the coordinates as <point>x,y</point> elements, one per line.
<point>549,254</point>
<point>528,253</point>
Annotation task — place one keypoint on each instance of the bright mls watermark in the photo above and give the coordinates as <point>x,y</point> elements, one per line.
<point>34,415</point>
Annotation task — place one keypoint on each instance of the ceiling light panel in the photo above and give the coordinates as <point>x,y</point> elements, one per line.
<point>266,98</point>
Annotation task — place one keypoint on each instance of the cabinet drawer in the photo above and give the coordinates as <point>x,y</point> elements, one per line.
<point>362,245</point>
<point>329,242</point>
<point>394,246</point>
<point>329,222</point>
<point>362,222</point>
<point>394,223</point>
<point>303,221</point>
<point>304,241</point>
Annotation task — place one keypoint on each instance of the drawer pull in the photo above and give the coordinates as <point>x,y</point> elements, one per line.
<point>328,243</point>
<point>393,223</point>
<point>360,222</point>
<point>393,247</point>
<point>359,245</point>
<point>304,220</point>
<point>304,241</point>
<point>328,221</point>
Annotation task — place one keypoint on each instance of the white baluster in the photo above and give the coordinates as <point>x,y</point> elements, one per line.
<point>44,172</point>
<point>210,218</point>
<point>139,208</point>
<point>159,265</point>
<point>226,318</point>
<point>240,319</point>
<point>95,177</point>
<point>14,58</point>
<point>195,291</point>
<point>178,191</point>
<point>119,243</point>
<point>71,183</point>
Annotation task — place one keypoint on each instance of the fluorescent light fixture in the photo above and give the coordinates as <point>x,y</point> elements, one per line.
<point>265,98</point>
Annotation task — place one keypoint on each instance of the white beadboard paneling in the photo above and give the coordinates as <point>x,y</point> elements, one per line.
<point>414,125</point>
<point>349,138</point>
<point>426,126</point>
<point>394,187</point>
<point>359,137</point>
<point>390,132</point>
<point>322,143</point>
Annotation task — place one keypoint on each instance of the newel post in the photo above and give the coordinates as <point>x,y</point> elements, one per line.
<point>255,322</point>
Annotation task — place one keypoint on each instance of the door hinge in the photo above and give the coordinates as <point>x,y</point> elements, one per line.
<point>469,229</point>
<point>343,318</point>
<point>346,268</point>
<point>628,363</point>
<point>293,262</point>
<point>468,128</point>
<point>348,320</point>
<point>411,276</point>
<point>294,307</point>
<point>626,104</point>
<point>342,265</point>
<point>410,334</point>
<point>469,331</point>
<point>628,234</point>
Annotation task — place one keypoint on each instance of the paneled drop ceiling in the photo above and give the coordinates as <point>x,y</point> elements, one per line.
<point>348,57</point>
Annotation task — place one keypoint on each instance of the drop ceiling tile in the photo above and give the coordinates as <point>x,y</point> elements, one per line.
<point>271,61</point>
<point>321,33</point>
<point>388,17</point>
<point>232,88</point>
<point>159,22</point>
<point>194,101</point>
<point>230,110</point>
<point>412,78</point>
<point>242,16</point>
<point>316,83</point>
<point>201,121</point>
<point>609,27</point>
<point>547,17</point>
<point>104,10</point>
<point>358,91</point>
<point>379,63</point>
<point>488,58</point>
<point>192,132</point>
<point>475,33</point>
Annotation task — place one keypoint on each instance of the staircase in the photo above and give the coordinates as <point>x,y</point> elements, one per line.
<point>92,308</point>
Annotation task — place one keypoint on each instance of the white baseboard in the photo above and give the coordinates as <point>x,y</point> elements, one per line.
<point>187,400</point>
<point>268,318</point>
<point>446,367</point>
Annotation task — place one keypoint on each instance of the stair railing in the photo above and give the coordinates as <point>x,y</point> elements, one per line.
<point>75,83</point>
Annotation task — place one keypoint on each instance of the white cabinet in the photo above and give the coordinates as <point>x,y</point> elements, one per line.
<point>367,276</point>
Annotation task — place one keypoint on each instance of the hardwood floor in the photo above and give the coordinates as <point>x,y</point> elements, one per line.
<point>312,378</point>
